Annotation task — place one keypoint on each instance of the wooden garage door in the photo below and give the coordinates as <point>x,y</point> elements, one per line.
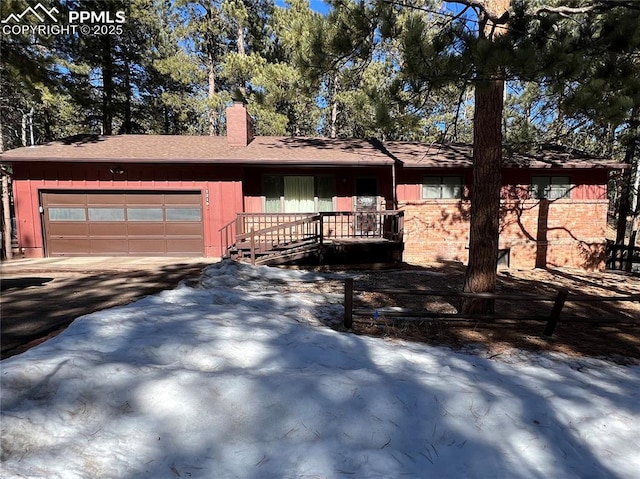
<point>123,223</point>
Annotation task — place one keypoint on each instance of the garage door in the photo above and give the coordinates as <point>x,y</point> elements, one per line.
<point>123,223</point>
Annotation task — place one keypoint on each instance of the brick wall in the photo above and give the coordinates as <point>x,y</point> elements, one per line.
<point>239,125</point>
<point>566,233</point>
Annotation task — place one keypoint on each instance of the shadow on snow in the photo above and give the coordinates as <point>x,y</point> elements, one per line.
<point>203,385</point>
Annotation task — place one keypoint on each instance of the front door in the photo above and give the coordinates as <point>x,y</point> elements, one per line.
<point>365,200</point>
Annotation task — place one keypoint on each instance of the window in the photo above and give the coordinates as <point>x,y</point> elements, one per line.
<point>144,214</point>
<point>298,194</point>
<point>325,191</point>
<point>106,214</point>
<point>504,258</point>
<point>183,214</point>
<point>273,190</point>
<point>67,214</point>
<point>442,187</point>
<point>551,187</point>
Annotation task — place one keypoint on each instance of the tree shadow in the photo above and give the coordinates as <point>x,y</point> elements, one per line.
<point>22,283</point>
<point>532,218</point>
<point>28,318</point>
<point>81,139</point>
<point>588,338</point>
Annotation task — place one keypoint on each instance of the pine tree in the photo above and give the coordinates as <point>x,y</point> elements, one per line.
<point>485,42</point>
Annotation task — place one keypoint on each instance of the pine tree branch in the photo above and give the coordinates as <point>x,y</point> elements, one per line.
<point>566,11</point>
<point>598,6</point>
<point>487,12</point>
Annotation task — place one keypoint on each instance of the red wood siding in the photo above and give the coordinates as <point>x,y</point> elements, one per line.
<point>221,190</point>
<point>589,184</point>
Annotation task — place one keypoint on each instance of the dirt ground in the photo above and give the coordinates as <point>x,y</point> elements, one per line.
<point>592,329</point>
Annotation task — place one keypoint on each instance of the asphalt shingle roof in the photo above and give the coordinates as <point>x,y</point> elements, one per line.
<point>457,155</point>
<point>301,151</point>
<point>199,149</point>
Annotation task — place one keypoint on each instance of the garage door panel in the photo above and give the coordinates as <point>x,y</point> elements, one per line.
<point>109,246</point>
<point>184,245</point>
<point>66,246</point>
<point>123,223</point>
<point>68,229</point>
<point>146,229</point>
<point>53,199</point>
<point>108,229</point>
<point>104,199</point>
<point>184,229</point>
<point>156,246</point>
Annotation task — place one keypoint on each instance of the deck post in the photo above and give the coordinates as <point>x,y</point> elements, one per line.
<point>555,312</point>
<point>628,267</point>
<point>348,303</point>
<point>321,235</point>
<point>252,251</point>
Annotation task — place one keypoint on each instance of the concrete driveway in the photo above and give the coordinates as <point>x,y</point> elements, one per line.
<point>40,297</point>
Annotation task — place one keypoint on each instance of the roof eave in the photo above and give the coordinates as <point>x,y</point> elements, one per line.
<point>220,161</point>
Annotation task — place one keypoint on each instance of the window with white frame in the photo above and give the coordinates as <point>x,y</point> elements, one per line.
<point>551,187</point>
<point>298,194</point>
<point>442,187</point>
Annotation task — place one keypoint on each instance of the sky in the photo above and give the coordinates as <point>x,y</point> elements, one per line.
<point>237,375</point>
<point>317,5</point>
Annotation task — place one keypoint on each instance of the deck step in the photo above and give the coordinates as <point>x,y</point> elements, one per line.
<point>246,245</point>
<point>281,256</point>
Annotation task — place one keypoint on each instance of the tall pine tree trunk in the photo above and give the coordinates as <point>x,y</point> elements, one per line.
<point>241,51</point>
<point>107,86</point>
<point>6,212</point>
<point>212,57</point>
<point>240,40</point>
<point>484,230</point>
<point>334,107</point>
<point>485,195</point>
<point>127,126</point>
<point>6,217</point>
<point>624,205</point>
<point>213,131</point>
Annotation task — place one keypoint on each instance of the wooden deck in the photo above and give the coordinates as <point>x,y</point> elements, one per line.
<point>322,238</point>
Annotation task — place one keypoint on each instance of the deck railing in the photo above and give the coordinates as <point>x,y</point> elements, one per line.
<point>260,233</point>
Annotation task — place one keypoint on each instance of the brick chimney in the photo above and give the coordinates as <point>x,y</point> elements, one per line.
<point>239,125</point>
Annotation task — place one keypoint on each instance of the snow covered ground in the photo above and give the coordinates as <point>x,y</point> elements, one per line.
<point>237,377</point>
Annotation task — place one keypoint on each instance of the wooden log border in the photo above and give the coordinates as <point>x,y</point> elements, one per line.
<point>563,296</point>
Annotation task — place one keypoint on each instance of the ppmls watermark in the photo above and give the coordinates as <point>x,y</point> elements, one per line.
<point>42,21</point>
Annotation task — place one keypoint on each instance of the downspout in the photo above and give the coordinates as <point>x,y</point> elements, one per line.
<point>394,194</point>
<point>396,161</point>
